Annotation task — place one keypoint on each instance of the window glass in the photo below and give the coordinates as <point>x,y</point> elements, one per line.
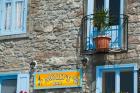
<point>9,86</point>
<point>114,9</point>
<point>126,82</point>
<point>108,82</point>
<point>8,14</point>
<point>98,4</point>
<point>19,14</point>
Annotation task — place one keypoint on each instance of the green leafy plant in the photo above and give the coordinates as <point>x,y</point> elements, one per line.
<point>102,20</point>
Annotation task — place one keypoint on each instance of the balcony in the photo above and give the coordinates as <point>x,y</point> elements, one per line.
<point>118,32</point>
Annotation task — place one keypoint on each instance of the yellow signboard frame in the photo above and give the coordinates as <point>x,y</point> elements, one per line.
<point>58,79</point>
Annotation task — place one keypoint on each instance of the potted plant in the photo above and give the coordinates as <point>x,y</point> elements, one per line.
<point>101,21</point>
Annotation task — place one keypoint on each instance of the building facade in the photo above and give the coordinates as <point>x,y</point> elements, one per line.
<point>57,35</point>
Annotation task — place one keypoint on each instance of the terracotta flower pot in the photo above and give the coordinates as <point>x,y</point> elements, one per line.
<point>102,43</point>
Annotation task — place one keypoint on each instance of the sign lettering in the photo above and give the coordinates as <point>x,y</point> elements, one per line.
<point>58,79</point>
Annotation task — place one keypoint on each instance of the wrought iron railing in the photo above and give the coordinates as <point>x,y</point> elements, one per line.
<point>118,31</point>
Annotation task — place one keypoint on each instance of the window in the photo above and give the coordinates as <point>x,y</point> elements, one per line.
<point>14,83</point>
<point>9,86</point>
<point>13,17</point>
<point>117,30</point>
<point>116,78</point>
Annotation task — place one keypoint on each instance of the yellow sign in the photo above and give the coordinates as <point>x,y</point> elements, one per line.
<point>58,79</point>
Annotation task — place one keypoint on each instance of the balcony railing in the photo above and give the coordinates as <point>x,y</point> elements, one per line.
<point>118,32</point>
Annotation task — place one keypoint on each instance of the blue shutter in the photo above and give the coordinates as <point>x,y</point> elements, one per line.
<point>23,83</point>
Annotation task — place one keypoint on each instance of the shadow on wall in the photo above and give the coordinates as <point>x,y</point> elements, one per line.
<point>90,70</point>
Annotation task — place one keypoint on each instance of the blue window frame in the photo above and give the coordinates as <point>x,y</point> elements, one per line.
<point>15,82</point>
<point>116,78</point>
<point>116,8</point>
<point>13,15</point>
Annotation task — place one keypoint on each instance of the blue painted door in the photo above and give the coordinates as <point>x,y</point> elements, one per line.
<point>115,8</point>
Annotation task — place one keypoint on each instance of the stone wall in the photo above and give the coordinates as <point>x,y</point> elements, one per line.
<point>52,28</point>
<point>55,26</point>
